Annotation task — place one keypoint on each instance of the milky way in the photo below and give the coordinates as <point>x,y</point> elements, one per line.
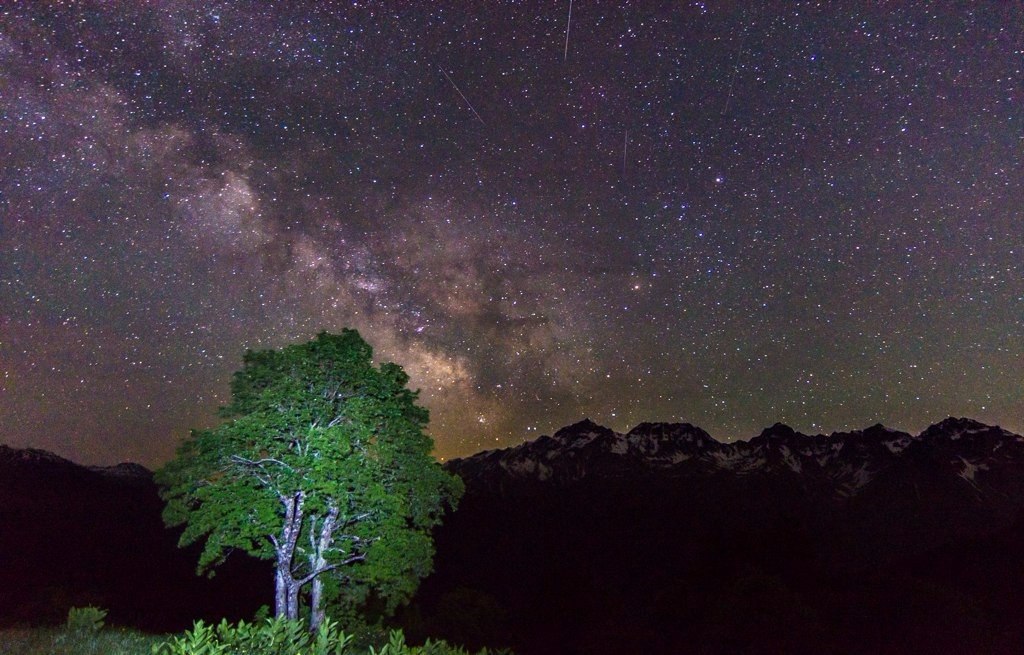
<point>719,213</point>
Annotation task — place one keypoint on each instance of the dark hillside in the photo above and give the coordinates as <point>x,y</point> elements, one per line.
<point>660,540</point>
<point>73,536</point>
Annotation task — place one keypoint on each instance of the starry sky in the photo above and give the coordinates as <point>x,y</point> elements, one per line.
<point>724,213</point>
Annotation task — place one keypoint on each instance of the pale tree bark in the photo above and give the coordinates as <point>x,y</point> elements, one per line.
<point>280,591</point>
<point>286,587</point>
<point>322,540</point>
<point>287,581</point>
<point>317,612</point>
<point>293,600</point>
<point>318,565</point>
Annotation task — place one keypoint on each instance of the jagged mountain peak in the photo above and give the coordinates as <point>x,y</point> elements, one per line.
<point>581,433</point>
<point>960,422</point>
<point>876,437</point>
<point>582,425</point>
<point>877,428</point>
<point>684,431</point>
<point>781,430</point>
<point>953,428</point>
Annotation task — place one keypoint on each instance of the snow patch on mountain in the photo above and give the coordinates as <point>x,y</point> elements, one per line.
<point>791,461</point>
<point>729,458</point>
<point>619,445</point>
<point>898,445</point>
<point>852,479</point>
<point>970,469</point>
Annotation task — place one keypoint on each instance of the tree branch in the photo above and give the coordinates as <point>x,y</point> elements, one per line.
<point>356,519</point>
<point>258,463</point>
<point>312,575</point>
<point>352,560</point>
<point>331,567</point>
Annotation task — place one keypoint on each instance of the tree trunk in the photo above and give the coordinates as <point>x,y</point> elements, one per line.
<point>318,565</point>
<point>293,600</point>
<point>317,613</point>
<point>286,587</point>
<point>280,590</point>
<point>286,597</point>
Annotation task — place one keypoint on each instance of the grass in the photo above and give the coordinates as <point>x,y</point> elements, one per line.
<point>84,634</point>
<point>61,641</point>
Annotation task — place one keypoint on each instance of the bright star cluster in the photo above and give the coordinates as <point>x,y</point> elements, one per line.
<point>730,214</point>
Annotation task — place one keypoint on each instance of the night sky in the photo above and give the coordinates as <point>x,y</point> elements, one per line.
<point>722,213</point>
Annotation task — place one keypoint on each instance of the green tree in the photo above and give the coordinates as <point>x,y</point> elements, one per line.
<point>322,466</point>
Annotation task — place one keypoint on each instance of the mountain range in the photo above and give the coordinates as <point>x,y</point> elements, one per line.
<point>661,539</point>
<point>840,465</point>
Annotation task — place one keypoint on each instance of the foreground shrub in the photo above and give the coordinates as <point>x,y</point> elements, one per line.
<point>396,646</point>
<point>283,637</point>
<point>86,619</point>
<point>62,641</point>
<point>270,637</point>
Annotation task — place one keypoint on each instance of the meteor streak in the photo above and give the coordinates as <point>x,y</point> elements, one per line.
<point>448,77</point>
<point>568,24</point>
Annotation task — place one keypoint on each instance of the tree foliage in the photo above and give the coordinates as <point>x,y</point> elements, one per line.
<point>322,465</point>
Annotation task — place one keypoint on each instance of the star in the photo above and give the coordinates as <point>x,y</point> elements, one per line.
<point>707,214</point>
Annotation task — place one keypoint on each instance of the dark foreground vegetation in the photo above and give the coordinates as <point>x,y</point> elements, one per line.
<point>85,634</point>
<point>918,562</point>
<point>61,641</point>
<point>646,568</point>
<point>666,541</point>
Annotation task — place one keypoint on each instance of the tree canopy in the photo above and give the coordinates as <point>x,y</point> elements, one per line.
<point>323,466</point>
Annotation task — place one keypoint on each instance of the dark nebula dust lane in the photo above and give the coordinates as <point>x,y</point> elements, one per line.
<point>729,214</point>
